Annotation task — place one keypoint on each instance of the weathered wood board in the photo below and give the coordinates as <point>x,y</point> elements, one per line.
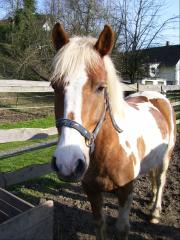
<point>20,220</point>
<point>24,174</point>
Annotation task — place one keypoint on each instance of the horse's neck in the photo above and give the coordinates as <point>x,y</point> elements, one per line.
<point>112,163</point>
<point>120,116</point>
<point>108,134</point>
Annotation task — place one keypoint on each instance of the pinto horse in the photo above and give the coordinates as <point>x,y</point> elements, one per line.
<point>106,141</point>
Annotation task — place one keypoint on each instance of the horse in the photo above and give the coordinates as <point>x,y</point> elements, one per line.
<point>106,140</point>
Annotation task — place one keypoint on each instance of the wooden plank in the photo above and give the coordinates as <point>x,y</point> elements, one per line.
<point>2,180</point>
<point>10,198</point>
<point>24,107</point>
<point>18,89</point>
<point>9,209</point>
<point>20,150</point>
<point>175,103</point>
<point>149,88</point>
<point>24,174</point>
<point>23,134</point>
<point>36,224</point>
<point>142,87</point>
<point>171,87</point>
<point>43,86</point>
<point>24,86</point>
<point>178,121</point>
<point>129,87</point>
<point>27,83</point>
<point>3,216</point>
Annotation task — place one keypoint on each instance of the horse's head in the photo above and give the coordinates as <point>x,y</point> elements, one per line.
<point>79,80</point>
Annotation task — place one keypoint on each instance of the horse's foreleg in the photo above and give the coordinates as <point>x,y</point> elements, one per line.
<point>160,182</point>
<point>125,199</point>
<point>96,201</point>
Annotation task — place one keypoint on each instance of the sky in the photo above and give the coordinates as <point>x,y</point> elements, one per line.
<point>172,34</point>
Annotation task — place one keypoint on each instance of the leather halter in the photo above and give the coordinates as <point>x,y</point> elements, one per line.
<point>90,137</point>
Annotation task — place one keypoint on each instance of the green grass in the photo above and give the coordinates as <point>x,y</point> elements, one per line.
<point>178,115</point>
<point>178,128</point>
<point>35,123</point>
<point>42,187</point>
<point>174,98</point>
<point>26,159</point>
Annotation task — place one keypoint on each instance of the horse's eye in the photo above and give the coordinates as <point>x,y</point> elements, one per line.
<point>100,88</point>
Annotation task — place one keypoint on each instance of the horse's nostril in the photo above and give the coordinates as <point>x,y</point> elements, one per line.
<point>53,164</point>
<point>80,167</point>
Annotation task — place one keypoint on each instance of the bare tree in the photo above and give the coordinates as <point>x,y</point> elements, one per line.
<point>138,26</point>
<point>10,6</point>
<point>82,16</point>
<point>136,23</point>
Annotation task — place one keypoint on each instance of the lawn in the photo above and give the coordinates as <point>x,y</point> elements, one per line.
<point>34,157</point>
<point>46,187</point>
<point>34,123</point>
<point>178,115</point>
<point>31,190</point>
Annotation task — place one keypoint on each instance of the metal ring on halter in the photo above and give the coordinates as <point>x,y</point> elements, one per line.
<point>89,142</point>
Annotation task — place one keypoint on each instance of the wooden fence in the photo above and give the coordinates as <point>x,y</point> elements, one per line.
<point>36,170</point>
<point>20,220</point>
<point>42,86</point>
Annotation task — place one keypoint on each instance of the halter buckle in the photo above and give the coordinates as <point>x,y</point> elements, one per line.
<point>89,141</point>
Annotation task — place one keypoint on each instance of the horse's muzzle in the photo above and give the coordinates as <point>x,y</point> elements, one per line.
<point>75,176</point>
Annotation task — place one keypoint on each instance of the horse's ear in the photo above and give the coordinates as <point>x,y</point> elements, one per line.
<point>59,36</point>
<point>105,42</point>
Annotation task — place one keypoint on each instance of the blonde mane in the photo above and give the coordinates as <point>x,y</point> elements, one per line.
<point>79,51</point>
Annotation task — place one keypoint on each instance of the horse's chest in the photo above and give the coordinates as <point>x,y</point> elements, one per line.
<point>111,169</point>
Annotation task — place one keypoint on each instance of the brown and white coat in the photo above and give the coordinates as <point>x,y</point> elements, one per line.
<point>82,70</point>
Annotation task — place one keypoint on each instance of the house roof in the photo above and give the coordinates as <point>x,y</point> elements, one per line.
<point>6,21</point>
<point>167,55</point>
<point>40,18</point>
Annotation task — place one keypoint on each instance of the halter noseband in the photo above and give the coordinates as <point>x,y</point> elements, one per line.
<point>90,137</point>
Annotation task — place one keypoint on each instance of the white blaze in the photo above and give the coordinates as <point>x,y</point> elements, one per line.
<point>71,145</point>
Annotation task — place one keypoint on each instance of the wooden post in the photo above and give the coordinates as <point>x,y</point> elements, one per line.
<point>17,99</point>
<point>137,87</point>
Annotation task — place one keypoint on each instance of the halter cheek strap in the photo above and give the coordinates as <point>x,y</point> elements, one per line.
<point>90,137</point>
<point>118,129</point>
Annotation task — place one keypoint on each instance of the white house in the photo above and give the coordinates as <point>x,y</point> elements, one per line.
<point>164,65</point>
<point>47,26</point>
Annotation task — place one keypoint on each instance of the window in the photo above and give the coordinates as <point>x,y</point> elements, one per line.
<point>160,83</point>
<point>149,82</point>
<point>169,83</point>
